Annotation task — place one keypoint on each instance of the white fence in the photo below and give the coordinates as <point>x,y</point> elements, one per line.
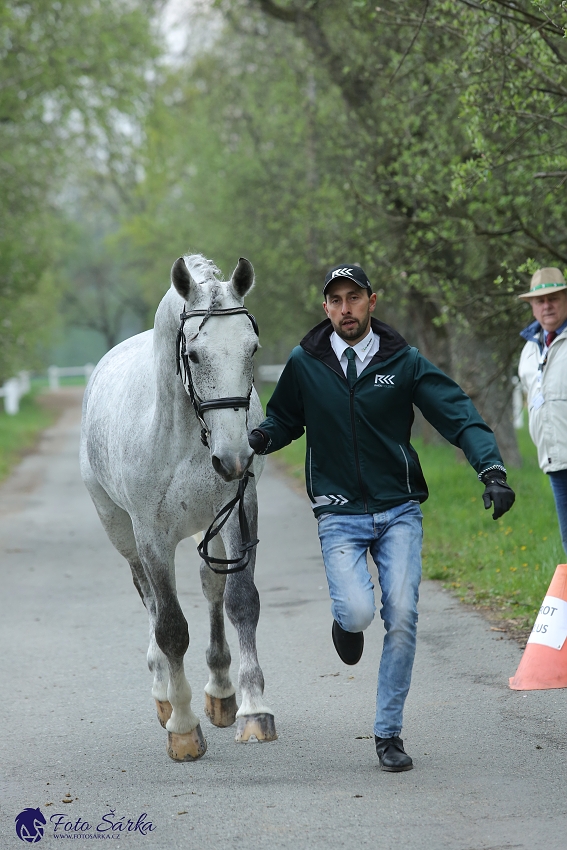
<point>13,390</point>
<point>56,372</point>
<point>270,374</point>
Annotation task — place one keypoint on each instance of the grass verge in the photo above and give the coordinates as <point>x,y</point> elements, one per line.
<point>19,433</point>
<point>502,567</point>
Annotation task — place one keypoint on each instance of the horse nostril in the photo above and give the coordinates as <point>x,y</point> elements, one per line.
<point>221,469</point>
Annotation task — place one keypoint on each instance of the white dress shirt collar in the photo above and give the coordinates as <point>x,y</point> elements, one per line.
<point>368,346</point>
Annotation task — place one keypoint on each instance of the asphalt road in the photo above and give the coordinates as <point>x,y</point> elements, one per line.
<point>79,722</point>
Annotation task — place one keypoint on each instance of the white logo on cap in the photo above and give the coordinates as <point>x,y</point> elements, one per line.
<point>341,273</point>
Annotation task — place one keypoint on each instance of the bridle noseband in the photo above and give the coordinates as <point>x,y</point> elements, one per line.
<point>200,407</point>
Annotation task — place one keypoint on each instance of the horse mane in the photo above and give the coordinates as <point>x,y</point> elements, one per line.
<point>201,269</point>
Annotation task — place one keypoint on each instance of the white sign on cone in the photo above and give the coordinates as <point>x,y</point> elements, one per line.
<point>550,627</point>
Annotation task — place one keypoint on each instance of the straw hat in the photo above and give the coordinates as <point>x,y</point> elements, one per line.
<point>545,281</point>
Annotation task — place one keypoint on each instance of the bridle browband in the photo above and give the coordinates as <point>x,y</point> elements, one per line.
<point>200,407</point>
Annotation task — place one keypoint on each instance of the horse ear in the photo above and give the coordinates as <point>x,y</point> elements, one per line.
<point>242,279</point>
<point>181,279</point>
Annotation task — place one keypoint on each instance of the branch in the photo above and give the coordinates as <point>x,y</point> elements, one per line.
<point>412,42</point>
<point>290,16</point>
<point>529,19</point>
<point>539,241</point>
<point>354,89</point>
<point>542,174</point>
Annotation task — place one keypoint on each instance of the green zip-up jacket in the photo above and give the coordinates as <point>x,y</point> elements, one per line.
<point>359,457</point>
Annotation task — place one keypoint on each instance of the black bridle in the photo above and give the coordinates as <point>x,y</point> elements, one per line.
<point>181,357</point>
<point>200,407</point>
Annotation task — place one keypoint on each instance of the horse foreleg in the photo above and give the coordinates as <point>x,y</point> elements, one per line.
<point>220,699</point>
<point>254,718</point>
<point>185,739</point>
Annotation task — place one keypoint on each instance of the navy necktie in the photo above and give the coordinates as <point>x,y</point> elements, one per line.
<point>351,374</point>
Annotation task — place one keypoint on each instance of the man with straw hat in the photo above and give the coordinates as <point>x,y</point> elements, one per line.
<point>543,373</point>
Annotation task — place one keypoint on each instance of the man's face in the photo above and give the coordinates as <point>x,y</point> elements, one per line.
<point>348,307</point>
<point>550,310</point>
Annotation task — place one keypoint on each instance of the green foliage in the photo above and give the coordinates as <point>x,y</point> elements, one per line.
<point>72,84</point>
<point>101,290</point>
<point>241,159</point>
<point>460,122</point>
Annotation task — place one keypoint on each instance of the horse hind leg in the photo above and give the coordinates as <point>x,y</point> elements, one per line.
<point>118,526</point>
<point>185,739</point>
<point>220,698</point>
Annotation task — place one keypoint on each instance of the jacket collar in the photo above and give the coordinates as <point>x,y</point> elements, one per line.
<point>533,332</point>
<point>317,343</point>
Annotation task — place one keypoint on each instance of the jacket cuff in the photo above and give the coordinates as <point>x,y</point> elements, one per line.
<point>267,441</point>
<point>492,470</point>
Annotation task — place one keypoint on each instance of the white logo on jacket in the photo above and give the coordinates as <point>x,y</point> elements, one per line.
<point>384,380</point>
<point>329,500</point>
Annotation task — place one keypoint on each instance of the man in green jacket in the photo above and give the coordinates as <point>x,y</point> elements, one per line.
<point>351,384</point>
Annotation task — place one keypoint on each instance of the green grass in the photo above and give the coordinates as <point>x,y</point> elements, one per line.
<point>18,433</point>
<point>504,565</point>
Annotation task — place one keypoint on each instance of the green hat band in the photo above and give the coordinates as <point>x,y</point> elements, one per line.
<point>546,286</point>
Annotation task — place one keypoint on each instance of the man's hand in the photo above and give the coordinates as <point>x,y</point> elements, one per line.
<point>497,491</point>
<point>258,440</point>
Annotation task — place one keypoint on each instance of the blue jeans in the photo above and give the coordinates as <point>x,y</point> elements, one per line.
<point>394,540</point>
<point>559,487</point>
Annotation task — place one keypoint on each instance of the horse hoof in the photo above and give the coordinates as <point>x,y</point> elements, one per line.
<point>164,710</point>
<point>188,747</point>
<point>259,726</point>
<point>221,711</point>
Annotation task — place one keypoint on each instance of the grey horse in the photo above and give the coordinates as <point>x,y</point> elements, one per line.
<point>159,470</point>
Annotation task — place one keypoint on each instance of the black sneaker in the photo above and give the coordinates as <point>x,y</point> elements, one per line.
<point>349,645</point>
<point>391,754</point>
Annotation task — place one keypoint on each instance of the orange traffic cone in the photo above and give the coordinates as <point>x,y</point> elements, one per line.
<point>544,662</point>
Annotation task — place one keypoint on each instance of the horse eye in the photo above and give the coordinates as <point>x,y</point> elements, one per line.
<point>193,357</point>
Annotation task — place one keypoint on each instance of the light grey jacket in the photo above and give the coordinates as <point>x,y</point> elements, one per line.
<point>547,399</point>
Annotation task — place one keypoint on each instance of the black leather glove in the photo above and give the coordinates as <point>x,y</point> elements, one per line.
<point>497,491</point>
<point>258,440</point>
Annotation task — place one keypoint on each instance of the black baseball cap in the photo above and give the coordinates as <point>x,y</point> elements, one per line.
<point>351,272</point>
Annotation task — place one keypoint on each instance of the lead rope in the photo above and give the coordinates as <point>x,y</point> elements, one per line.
<point>212,531</point>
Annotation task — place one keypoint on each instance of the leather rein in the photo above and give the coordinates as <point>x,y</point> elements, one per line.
<point>200,407</point>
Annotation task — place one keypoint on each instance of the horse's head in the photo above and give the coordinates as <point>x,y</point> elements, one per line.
<point>216,345</point>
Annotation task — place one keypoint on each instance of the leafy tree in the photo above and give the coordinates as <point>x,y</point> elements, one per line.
<point>457,107</point>
<point>242,158</point>
<point>73,83</point>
